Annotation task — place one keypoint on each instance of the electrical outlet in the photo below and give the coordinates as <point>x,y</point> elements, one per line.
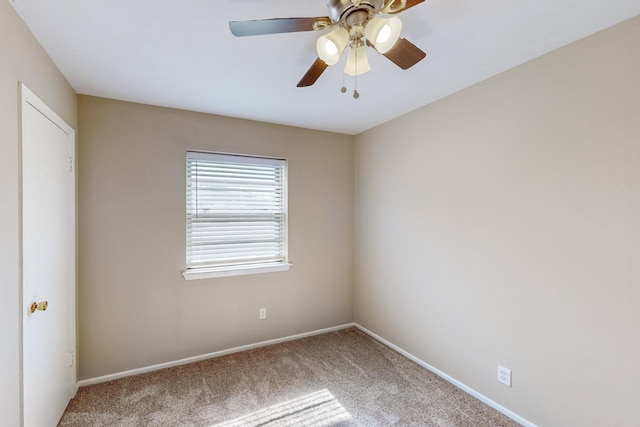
<point>263,313</point>
<point>504,376</point>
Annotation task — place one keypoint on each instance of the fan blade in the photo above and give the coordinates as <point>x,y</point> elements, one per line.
<point>405,54</point>
<point>278,25</point>
<point>313,73</point>
<point>410,3</point>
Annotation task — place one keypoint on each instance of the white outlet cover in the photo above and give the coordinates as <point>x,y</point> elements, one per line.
<point>504,375</point>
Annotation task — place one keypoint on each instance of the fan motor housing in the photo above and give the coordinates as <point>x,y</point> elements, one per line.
<point>340,10</point>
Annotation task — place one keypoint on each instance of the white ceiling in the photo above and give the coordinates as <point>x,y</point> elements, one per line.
<point>181,54</point>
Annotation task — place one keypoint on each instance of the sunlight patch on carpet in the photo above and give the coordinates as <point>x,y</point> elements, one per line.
<point>316,409</point>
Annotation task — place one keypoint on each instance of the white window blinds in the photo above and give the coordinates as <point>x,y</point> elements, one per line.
<point>236,210</point>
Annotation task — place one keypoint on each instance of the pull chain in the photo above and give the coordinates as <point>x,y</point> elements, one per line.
<point>343,89</point>
<point>356,95</point>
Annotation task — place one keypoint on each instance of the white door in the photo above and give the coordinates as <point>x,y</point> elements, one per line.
<point>48,263</point>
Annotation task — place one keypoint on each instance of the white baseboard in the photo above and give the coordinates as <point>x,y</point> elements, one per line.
<point>408,355</point>
<point>188,360</point>
<point>452,380</point>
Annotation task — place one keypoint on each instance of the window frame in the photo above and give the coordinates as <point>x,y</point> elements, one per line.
<point>235,268</point>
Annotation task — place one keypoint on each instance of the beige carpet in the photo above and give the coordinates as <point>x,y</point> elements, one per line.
<point>343,378</point>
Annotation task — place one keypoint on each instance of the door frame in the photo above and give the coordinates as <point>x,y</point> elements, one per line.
<point>29,99</point>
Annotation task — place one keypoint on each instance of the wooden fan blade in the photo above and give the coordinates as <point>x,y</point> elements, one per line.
<point>313,73</point>
<point>405,54</point>
<point>275,26</point>
<point>410,3</point>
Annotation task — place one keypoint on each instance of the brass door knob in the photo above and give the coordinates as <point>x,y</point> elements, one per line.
<point>42,306</point>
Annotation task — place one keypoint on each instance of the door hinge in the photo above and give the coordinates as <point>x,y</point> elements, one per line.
<point>70,164</point>
<point>72,358</point>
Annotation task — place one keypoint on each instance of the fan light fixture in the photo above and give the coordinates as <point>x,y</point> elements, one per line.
<point>331,45</point>
<point>357,62</point>
<point>358,24</point>
<point>383,33</point>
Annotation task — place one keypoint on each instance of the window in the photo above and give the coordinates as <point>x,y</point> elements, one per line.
<point>236,215</point>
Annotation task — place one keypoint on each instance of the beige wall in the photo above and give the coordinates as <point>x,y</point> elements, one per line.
<point>136,309</point>
<point>501,225</point>
<point>21,59</point>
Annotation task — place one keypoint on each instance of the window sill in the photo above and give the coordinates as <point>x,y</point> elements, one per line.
<point>208,273</point>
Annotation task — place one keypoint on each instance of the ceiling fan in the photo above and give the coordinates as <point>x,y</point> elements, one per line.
<point>355,24</point>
